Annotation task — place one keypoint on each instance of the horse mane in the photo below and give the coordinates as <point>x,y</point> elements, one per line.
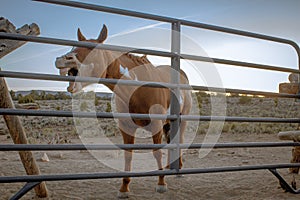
<point>138,60</point>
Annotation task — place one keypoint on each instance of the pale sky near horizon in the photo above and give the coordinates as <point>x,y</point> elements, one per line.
<point>274,17</point>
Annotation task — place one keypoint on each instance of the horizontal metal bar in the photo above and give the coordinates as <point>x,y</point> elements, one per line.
<point>242,33</point>
<point>239,119</point>
<point>64,177</point>
<point>111,10</point>
<point>240,91</point>
<point>50,113</point>
<point>143,51</point>
<point>47,40</point>
<point>51,77</point>
<point>69,147</point>
<point>172,20</point>
<point>5,111</point>
<point>239,63</point>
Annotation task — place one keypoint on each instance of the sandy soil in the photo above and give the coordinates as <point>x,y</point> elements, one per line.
<point>234,185</point>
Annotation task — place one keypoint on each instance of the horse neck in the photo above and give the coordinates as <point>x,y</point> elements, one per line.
<point>124,61</point>
<point>116,61</point>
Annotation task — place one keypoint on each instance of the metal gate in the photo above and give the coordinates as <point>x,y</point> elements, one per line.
<point>174,117</point>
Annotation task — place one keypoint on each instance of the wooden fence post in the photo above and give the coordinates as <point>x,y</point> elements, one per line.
<point>13,123</point>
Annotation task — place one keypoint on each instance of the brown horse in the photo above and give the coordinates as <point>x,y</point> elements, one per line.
<point>129,99</point>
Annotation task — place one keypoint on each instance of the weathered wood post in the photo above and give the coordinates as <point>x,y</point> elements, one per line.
<point>13,123</point>
<point>7,46</point>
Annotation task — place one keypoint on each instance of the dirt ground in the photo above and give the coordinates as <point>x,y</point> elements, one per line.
<point>231,185</point>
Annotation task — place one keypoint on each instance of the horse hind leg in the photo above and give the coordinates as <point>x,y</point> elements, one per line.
<point>182,129</point>
<point>166,130</point>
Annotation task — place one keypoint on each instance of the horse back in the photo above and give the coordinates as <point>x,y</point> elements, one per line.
<point>165,71</point>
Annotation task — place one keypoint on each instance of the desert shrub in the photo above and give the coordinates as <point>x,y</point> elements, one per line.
<point>234,95</point>
<point>108,107</point>
<point>70,122</point>
<point>13,95</point>
<point>227,127</point>
<point>25,99</point>
<point>83,106</point>
<point>62,96</point>
<point>276,102</point>
<point>233,126</point>
<point>245,99</point>
<point>86,95</point>
<point>199,104</point>
<point>35,95</point>
<point>49,97</point>
<point>97,99</point>
<point>202,94</point>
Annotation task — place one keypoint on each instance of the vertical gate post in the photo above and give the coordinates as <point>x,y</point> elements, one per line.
<point>175,96</point>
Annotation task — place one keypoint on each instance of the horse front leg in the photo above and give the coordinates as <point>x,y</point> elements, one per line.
<point>161,186</point>
<point>124,190</point>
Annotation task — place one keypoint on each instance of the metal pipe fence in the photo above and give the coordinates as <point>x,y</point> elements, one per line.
<point>173,20</point>
<point>64,177</point>
<point>47,40</point>
<point>69,147</point>
<point>175,117</point>
<point>6,111</point>
<point>51,77</point>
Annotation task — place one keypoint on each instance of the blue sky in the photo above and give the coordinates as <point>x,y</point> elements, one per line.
<point>274,17</point>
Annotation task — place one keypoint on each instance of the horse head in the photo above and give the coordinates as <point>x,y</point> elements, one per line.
<point>86,62</point>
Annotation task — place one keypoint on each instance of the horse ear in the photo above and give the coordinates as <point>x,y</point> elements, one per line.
<point>80,36</point>
<point>103,34</point>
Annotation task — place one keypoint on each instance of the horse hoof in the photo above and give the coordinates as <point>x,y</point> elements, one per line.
<point>161,188</point>
<point>179,176</point>
<point>123,195</point>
